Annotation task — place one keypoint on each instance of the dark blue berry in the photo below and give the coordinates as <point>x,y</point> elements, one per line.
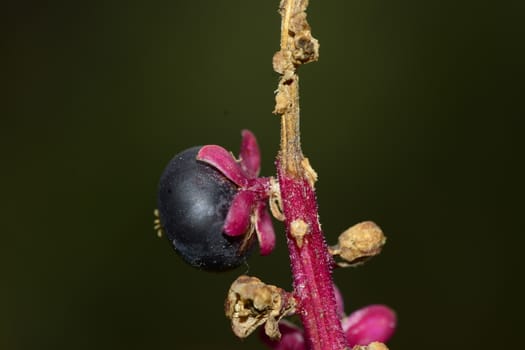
<point>193,201</point>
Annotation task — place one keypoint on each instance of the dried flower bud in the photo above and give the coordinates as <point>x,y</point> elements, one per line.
<point>372,346</point>
<point>251,303</point>
<point>358,243</point>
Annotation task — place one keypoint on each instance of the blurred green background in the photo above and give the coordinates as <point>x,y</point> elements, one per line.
<point>412,118</point>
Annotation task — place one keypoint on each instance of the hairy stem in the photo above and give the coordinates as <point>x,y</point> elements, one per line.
<point>310,260</point>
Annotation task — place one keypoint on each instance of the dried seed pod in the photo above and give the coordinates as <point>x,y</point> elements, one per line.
<point>359,243</point>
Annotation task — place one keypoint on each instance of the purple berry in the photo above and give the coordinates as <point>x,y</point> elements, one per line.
<point>193,201</point>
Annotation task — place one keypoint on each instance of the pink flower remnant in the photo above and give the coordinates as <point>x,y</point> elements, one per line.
<point>248,211</point>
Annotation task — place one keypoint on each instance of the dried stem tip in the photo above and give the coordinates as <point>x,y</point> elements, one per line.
<point>297,44</point>
<point>297,47</point>
<point>359,243</point>
<point>251,303</point>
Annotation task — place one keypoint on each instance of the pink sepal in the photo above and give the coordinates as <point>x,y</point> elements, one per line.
<point>264,229</point>
<point>223,161</point>
<point>291,337</point>
<point>250,155</point>
<point>369,324</point>
<point>238,218</point>
<point>339,302</point>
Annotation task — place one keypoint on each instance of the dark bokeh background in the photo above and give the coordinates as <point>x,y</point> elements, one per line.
<point>411,118</point>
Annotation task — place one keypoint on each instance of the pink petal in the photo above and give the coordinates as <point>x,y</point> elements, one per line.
<point>223,161</point>
<point>238,218</point>
<point>250,155</point>
<point>339,302</point>
<point>371,323</point>
<point>264,229</point>
<point>291,337</point>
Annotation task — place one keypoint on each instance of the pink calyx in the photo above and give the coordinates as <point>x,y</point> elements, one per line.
<point>264,229</point>
<point>248,209</point>
<point>238,219</point>
<point>250,155</point>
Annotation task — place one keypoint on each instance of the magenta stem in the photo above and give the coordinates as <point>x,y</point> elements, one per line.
<point>311,267</point>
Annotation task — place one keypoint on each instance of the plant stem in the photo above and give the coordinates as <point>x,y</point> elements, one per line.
<point>310,260</point>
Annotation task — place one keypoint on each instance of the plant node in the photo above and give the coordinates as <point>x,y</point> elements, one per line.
<point>299,229</point>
